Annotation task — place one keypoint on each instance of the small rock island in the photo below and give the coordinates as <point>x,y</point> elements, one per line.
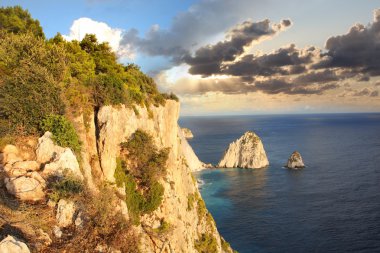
<point>187,133</point>
<point>246,152</point>
<point>295,161</point>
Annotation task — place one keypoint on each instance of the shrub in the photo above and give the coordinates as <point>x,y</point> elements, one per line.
<point>164,227</point>
<point>190,201</point>
<point>206,243</point>
<point>30,73</point>
<point>65,187</point>
<point>63,132</point>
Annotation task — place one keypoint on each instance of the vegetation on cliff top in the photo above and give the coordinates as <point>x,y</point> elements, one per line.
<point>41,77</point>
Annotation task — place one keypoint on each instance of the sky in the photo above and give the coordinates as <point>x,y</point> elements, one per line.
<point>237,56</point>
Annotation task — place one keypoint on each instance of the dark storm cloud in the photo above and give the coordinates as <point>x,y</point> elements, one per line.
<point>190,28</point>
<point>325,76</point>
<point>271,64</point>
<point>208,60</point>
<point>359,49</point>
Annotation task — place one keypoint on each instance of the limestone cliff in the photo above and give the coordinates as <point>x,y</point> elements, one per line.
<point>182,206</point>
<point>246,152</point>
<point>181,223</point>
<point>187,133</point>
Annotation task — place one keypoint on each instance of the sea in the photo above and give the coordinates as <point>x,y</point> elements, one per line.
<point>332,205</point>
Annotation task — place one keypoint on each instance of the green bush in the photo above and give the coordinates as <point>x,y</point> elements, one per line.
<point>164,227</point>
<point>29,90</point>
<point>17,20</point>
<point>190,201</point>
<point>65,187</point>
<point>206,243</point>
<point>63,131</point>
<point>143,191</point>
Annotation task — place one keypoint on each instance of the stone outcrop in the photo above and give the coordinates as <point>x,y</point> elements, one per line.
<point>246,152</point>
<point>11,244</point>
<point>191,158</point>
<point>65,213</point>
<point>295,161</point>
<point>56,159</point>
<point>187,133</point>
<point>116,125</point>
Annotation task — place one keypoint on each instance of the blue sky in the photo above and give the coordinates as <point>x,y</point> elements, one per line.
<point>166,37</point>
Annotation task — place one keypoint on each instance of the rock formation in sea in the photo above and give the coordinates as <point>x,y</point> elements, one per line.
<point>295,161</point>
<point>246,152</point>
<point>187,133</point>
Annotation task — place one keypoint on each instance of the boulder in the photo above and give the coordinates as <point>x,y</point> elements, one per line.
<point>65,160</point>
<point>11,154</point>
<point>187,133</point>
<point>26,165</point>
<point>246,152</point>
<point>46,149</point>
<point>57,232</point>
<point>295,161</point>
<point>65,213</point>
<point>11,244</point>
<point>26,188</point>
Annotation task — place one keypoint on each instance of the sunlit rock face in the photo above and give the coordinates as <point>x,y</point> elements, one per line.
<point>246,152</point>
<point>295,161</point>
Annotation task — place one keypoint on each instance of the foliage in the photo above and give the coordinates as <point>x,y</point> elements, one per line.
<point>226,247</point>
<point>206,243</point>
<point>190,201</point>
<point>65,187</point>
<point>29,88</point>
<point>164,227</point>
<point>146,166</point>
<point>63,131</point>
<point>17,20</point>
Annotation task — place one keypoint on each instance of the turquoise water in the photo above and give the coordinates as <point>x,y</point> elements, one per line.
<point>333,205</point>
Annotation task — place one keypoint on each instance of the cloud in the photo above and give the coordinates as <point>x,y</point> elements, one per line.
<point>208,59</point>
<point>192,28</point>
<point>365,92</point>
<point>357,50</point>
<point>103,32</point>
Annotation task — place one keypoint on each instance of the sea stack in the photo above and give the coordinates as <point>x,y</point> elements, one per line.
<point>246,152</point>
<point>295,161</point>
<point>187,133</point>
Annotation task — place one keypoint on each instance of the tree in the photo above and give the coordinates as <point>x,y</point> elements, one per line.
<point>17,20</point>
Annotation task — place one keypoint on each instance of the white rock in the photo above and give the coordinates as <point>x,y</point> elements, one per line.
<point>25,188</point>
<point>187,133</point>
<point>46,149</point>
<point>65,160</point>
<point>295,161</point>
<point>57,232</point>
<point>11,154</point>
<point>187,151</point>
<point>26,165</point>
<point>246,152</point>
<point>65,213</point>
<point>11,245</point>
<point>79,220</point>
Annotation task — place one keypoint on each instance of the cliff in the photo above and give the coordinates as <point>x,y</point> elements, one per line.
<point>181,223</point>
<point>187,133</point>
<point>246,152</point>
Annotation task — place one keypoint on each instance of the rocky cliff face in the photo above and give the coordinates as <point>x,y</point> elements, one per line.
<point>182,206</point>
<point>246,152</point>
<point>180,224</point>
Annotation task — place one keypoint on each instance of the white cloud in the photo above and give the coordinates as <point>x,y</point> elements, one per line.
<point>103,32</point>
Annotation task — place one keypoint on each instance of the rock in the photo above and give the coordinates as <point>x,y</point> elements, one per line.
<point>46,149</point>
<point>11,245</point>
<point>51,203</point>
<point>26,188</point>
<point>65,213</point>
<point>187,133</point>
<point>79,220</point>
<point>11,154</point>
<point>26,165</point>
<point>295,161</point>
<point>246,152</point>
<point>65,160</point>
<point>43,237</point>
<point>57,232</point>
<point>187,151</point>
